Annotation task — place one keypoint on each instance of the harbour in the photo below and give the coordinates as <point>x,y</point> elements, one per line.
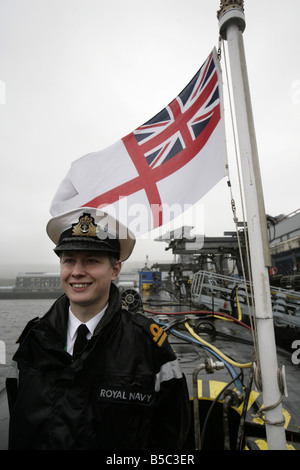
<point>207,317</point>
<point>229,305</point>
<point>200,337</point>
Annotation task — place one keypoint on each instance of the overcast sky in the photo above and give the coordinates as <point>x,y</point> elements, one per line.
<point>77,75</point>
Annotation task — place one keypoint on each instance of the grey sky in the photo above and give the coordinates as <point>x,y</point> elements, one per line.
<point>77,75</point>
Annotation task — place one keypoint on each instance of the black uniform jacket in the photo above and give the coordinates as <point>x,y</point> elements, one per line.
<point>125,391</point>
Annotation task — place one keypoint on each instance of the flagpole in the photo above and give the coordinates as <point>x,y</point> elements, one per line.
<point>232,25</point>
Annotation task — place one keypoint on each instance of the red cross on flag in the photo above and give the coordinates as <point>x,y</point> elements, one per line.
<point>161,168</point>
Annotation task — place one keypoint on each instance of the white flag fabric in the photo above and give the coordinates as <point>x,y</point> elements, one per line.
<point>164,166</point>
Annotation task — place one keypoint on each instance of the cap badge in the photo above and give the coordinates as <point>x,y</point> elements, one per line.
<point>86,227</point>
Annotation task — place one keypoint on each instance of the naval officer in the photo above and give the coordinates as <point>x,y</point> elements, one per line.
<point>92,375</point>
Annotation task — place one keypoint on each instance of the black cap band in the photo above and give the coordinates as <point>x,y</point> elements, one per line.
<point>87,229</point>
<point>68,243</point>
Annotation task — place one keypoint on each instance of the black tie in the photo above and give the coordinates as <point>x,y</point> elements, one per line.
<point>81,340</point>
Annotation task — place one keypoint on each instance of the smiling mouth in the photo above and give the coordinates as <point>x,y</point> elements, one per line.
<point>80,285</point>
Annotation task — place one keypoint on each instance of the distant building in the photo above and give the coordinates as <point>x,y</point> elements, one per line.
<point>37,280</point>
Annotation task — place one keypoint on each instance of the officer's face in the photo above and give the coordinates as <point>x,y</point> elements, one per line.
<point>86,278</point>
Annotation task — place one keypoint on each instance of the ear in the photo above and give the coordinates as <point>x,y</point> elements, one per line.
<point>116,270</point>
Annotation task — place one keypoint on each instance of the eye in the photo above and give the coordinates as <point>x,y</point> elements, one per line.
<point>67,261</point>
<point>92,260</point>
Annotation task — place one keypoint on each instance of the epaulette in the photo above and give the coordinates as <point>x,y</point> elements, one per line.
<point>157,334</point>
<point>26,330</point>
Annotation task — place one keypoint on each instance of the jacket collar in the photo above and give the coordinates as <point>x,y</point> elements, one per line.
<point>57,316</point>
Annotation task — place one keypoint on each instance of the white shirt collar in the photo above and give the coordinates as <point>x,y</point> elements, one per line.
<point>73,324</point>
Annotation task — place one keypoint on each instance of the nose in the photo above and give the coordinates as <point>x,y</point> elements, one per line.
<point>78,269</point>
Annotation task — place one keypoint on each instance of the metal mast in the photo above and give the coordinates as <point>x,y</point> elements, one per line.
<point>231,26</point>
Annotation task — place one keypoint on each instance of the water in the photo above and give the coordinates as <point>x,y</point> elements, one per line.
<point>14,315</point>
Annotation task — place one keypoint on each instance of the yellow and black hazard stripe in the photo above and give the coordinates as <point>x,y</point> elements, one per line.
<point>211,389</point>
<point>261,444</point>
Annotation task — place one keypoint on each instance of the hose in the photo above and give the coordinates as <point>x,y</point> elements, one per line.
<point>226,404</point>
<point>219,315</point>
<point>228,366</point>
<point>213,348</point>
<point>240,433</point>
<point>212,407</point>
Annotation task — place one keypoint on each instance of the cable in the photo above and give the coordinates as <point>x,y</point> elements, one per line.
<point>238,305</point>
<point>214,332</point>
<point>223,356</point>
<point>240,433</point>
<point>219,315</point>
<point>228,366</point>
<point>250,307</point>
<point>213,405</point>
